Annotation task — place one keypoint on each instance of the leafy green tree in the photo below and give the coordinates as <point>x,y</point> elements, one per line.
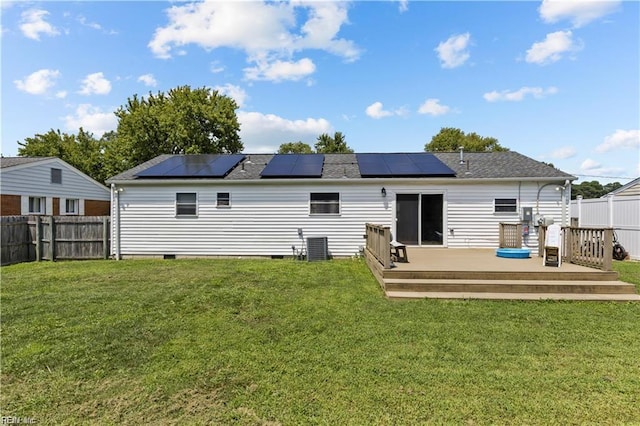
<point>295,148</point>
<point>183,121</point>
<point>611,187</point>
<point>332,145</point>
<point>593,189</point>
<point>83,151</point>
<point>451,139</point>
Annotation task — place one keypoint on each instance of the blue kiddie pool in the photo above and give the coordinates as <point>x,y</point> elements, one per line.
<point>514,253</point>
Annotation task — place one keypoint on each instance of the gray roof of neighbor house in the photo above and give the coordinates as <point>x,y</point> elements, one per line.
<point>18,161</point>
<point>477,165</point>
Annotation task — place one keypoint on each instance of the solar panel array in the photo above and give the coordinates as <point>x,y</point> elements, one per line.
<point>294,165</point>
<point>194,166</point>
<point>299,166</point>
<point>402,165</point>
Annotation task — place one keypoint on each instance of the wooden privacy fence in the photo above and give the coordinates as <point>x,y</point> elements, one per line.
<point>29,238</point>
<point>378,240</point>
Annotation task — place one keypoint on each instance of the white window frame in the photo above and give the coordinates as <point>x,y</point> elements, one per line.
<point>221,199</point>
<point>505,206</point>
<point>42,205</point>
<point>76,204</point>
<point>185,204</point>
<point>59,172</point>
<point>317,206</point>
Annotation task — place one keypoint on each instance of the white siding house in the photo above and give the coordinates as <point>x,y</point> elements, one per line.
<point>244,214</point>
<point>620,209</point>
<point>49,186</point>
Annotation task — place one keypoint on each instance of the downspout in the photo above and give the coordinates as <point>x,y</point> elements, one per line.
<point>116,220</point>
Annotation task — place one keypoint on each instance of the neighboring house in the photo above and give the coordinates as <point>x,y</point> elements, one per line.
<point>619,209</point>
<point>267,205</point>
<point>631,188</point>
<point>49,186</point>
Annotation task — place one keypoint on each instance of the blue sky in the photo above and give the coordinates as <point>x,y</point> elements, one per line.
<point>558,81</point>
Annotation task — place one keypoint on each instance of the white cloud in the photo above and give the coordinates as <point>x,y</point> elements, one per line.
<point>33,24</point>
<point>578,12</point>
<point>433,107</point>
<point>453,52</point>
<point>266,132</point>
<point>91,119</point>
<point>148,80</point>
<point>589,164</point>
<point>404,5</point>
<point>95,84</point>
<point>237,93</point>
<point>552,48</point>
<point>61,94</point>
<point>268,32</point>
<point>39,82</point>
<point>215,67</point>
<point>280,70</point>
<point>620,139</point>
<point>376,110</point>
<point>519,95</point>
<point>563,153</point>
<point>83,21</point>
<point>590,167</point>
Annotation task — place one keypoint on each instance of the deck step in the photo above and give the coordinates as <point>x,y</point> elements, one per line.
<point>553,275</point>
<point>508,286</point>
<point>513,296</point>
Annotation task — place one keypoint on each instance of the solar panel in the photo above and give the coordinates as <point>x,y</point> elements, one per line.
<point>402,164</point>
<point>190,166</point>
<point>294,165</point>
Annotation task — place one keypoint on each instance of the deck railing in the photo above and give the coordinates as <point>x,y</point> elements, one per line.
<point>378,240</point>
<point>592,247</point>
<point>510,235</point>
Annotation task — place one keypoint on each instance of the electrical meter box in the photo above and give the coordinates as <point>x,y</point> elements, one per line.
<point>527,214</point>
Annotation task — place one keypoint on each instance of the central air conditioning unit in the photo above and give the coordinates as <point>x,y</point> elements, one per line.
<point>317,248</point>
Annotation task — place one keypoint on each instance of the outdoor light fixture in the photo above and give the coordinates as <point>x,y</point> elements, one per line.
<point>383,192</point>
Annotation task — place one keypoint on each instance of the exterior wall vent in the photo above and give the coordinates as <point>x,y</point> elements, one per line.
<point>317,249</point>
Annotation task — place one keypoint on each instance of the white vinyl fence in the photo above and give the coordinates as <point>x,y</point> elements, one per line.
<point>622,213</point>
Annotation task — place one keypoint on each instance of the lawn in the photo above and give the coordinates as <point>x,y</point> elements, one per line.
<point>281,342</point>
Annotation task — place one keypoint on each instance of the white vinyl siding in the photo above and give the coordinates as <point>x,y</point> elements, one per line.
<point>264,221</point>
<point>34,179</point>
<point>265,217</point>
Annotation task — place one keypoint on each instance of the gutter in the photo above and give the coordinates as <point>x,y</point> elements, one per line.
<point>351,181</point>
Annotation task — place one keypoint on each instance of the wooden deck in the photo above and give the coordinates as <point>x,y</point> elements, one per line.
<point>480,274</point>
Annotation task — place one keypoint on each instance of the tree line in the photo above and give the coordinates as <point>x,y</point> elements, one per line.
<point>203,121</point>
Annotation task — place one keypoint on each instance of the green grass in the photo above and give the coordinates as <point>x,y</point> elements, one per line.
<point>280,342</point>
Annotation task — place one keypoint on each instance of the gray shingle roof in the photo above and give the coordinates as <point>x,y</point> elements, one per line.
<point>478,165</point>
<point>17,161</point>
<point>504,164</point>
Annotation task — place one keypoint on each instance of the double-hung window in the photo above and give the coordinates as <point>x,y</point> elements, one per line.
<point>72,206</point>
<point>325,203</point>
<point>505,205</point>
<point>37,205</point>
<point>186,204</point>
